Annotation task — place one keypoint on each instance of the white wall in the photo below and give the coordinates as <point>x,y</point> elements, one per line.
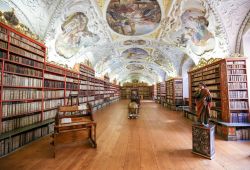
<point>185,86</point>
<point>246,43</point>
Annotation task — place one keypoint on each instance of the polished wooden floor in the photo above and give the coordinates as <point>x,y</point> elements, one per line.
<point>159,139</point>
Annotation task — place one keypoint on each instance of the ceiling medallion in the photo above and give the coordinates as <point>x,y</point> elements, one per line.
<point>133,17</point>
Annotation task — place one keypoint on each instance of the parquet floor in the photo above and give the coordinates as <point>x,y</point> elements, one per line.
<point>159,140</point>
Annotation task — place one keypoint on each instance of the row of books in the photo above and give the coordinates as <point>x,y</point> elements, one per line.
<point>71,80</point>
<point>84,82</point>
<point>236,62</point>
<point>86,71</point>
<point>211,72</point>
<point>83,93</point>
<point>26,61</point>
<point>48,104</point>
<point>237,78</point>
<point>238,94</point>
<point>87,74</point>
<point>213,87</point>
<point>11,144</point>
<point>93,97</point>
<point>236,66</point>
<point>26,46</point>
<point>72,74</point>
<point>3,36</point>
<point>10,125</point>
<point>21,94</point>
<point>68,92</point>
<point>83,99</point>
<point>15,80</point>
<point>236,71</point>
<point>169,101</point>
<point>71,101</point>
<point>53,77</point>
<point>88,87</point>
<point>205,71</point>
<point>197,79</point>
<point>211,81</point>
<point>22,70</point>
<point>54,69</point>
<point>216,104</point>
<point>3,44</point>
<point>196,75</point>
<point>85,68</point>
<point>210,87</point>
<point>238,117</point>
<point>237,85</point>
<point>94,93</point>
<point>72,86</point>
<point>3,54</point>
<point>238,105</point>
<point>178,86</point>
<point>53,94</point>
<point>215,95</point>
<point>53,84</point>
<point>210,76</point>
<point>49,114</point>
<point>20,108</point>
<point>178,93</point>
<point>22,52</point>
<point>2,29</point>
<point>12,34</point>
<point>215,114</point>
<point>243,134</point>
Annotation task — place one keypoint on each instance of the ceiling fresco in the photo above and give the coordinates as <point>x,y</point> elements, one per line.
<point>135,54</point>
<point>146,40</point>
<point>75,36</point>
<point>134,42</point>
<point>133,17</point>
<point>135,67</point>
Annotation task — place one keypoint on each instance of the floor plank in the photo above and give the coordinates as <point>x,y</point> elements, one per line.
<point>159,139</point>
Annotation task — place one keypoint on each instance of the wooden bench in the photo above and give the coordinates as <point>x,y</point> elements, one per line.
<point>72,123</point>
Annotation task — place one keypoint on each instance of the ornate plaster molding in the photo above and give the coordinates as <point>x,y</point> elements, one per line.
<point>241,32</point>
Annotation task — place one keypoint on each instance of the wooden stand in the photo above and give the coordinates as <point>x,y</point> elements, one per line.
<point>203,140</point>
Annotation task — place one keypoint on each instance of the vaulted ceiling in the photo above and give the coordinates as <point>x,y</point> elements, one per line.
<point>146,40</point>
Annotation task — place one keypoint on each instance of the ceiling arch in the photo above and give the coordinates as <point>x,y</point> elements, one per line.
<point>187,31</point>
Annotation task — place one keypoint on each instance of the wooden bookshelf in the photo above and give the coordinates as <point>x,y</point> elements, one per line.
<point>32,89</point>
<point>174,93</point>
<point>227,81</point>
<point>145,91</point>
<point>22,62</point>
<point>154,91</point>
<point>161,92</point>
<point>158,89</point>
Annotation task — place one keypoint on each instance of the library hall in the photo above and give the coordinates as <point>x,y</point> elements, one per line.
<point>124,84</point>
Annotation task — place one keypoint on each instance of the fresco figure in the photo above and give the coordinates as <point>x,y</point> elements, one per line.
<point>75,35</point>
